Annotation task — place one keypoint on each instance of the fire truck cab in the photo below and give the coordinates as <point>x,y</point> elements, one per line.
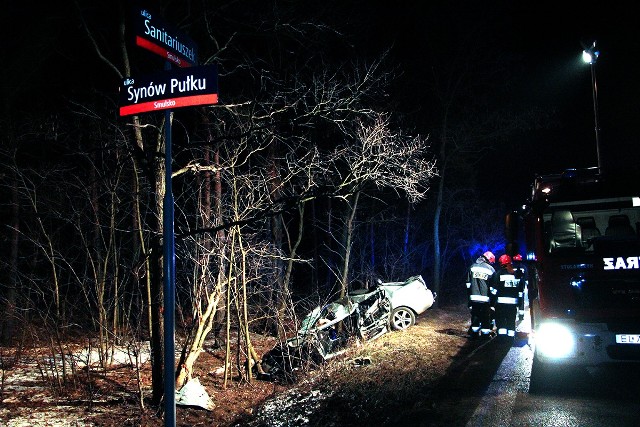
<point>581,231</point>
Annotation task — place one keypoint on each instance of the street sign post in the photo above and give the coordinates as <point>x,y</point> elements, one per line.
<point>155,35</point>
<point>181,87</point>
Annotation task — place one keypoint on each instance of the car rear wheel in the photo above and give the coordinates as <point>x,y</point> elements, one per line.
<point>402,318</point>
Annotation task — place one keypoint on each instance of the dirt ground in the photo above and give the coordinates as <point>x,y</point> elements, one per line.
<point>381,382</point>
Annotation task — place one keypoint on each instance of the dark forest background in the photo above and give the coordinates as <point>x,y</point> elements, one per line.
<point>352,141</point>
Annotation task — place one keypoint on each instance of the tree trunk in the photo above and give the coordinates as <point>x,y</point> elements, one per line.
<point>9,313</point>
<point>277,232</point>
<point>436,223</point>
<point>153,261</point>
<point>157,322</point>
<point>285,296</point>
<point>405,247</point>
<point>207,311</point>
<point>372,248</point>
<point>221,235</point>
<point>348,229</point>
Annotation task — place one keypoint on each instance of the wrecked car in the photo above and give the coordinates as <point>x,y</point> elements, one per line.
<point>408,300</point>
<point>326,332</point>
<point>362,315</point>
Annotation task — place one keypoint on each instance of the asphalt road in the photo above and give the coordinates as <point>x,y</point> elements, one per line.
<point>490,387</point>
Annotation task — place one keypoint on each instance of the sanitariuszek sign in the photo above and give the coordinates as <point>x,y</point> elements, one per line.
<point>153,34</point>
<point>176,88</point>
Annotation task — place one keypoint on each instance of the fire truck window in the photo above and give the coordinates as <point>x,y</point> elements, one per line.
<point>619,226</point>
<point>565,233</point>
<point>589,230</point>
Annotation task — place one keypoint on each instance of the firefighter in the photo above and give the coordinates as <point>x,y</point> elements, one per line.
<point>521,270</point>
<point>504,296</point>
<point>480,278</point>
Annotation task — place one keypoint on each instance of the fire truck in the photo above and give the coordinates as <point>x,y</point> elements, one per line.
<point>580,232</point>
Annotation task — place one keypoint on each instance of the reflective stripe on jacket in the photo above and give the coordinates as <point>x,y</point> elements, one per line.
<point>508,287</point>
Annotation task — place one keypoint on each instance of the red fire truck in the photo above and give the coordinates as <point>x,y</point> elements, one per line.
<point>580,232</point>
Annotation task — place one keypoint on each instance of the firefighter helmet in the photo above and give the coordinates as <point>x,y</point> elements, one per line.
<point>504,259</point>
<point>517,257</point>
<point>489,256</point>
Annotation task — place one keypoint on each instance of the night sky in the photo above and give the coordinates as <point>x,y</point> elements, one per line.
<point>540,42</point>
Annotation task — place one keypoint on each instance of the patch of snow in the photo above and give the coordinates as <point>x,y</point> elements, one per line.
<point>30,375</point>
<point>116,356</point>
<point>59,416</point>
<point>194,394</point>
<point>292,408</point>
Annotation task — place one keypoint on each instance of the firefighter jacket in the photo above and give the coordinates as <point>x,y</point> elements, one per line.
<point>508,288</point>
<point>480,278</point>
<point>521,271</point>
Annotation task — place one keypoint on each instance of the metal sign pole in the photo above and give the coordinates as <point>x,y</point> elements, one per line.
<point>196,86</point>
<point>169,282</point>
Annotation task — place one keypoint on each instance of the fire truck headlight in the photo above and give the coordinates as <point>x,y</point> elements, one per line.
<point>554,340</point>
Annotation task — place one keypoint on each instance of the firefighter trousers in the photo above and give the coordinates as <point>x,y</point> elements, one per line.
<point>481,321</point>
<point>506,319</point>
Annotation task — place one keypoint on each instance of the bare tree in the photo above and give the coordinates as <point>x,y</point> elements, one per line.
<point>243,189</point>
<point>379,158</point>
<point>276,132</point>
<point>10,299</point>
<point>146,143</point>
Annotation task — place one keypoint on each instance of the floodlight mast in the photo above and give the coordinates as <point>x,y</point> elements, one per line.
<point>590,56</point>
